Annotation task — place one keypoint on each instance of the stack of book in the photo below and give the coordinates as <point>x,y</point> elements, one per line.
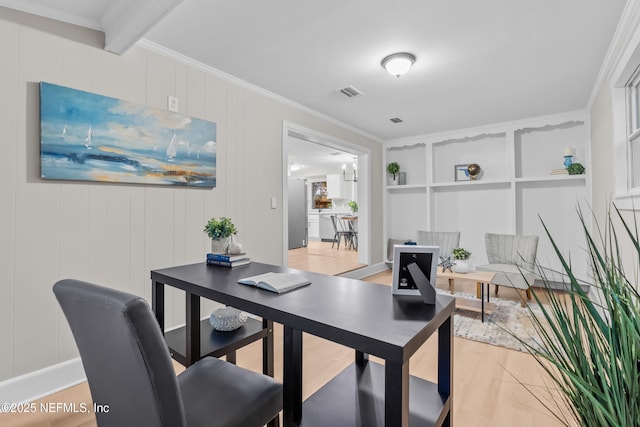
<point>559,172</point>
<point>224,260</point>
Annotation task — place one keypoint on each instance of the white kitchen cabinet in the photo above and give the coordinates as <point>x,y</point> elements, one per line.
<point>313,226</point>
<point>338,188</point>
<point>326,228</point>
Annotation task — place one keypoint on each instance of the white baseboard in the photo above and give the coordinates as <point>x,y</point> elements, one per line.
<point>365,271</point>
<point>43,382</point>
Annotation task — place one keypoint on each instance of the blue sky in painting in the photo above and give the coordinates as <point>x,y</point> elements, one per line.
<point>80,131</point>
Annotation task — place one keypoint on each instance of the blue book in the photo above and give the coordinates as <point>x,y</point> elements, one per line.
<point>229,264</point>
<point>225,258</point>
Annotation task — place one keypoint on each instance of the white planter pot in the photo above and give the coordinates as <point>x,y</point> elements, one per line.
<point>220,246</point>
<point>461,266</point>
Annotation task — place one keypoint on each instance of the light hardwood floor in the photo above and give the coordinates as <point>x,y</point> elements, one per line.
<point>320,257</point>
<point>488,385</point>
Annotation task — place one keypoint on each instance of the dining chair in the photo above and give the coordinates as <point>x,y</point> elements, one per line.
<point>341,231</point>
<point>129,368</point>
<point>512,257</point>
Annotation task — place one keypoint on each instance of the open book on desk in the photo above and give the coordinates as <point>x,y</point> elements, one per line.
<point>276,282</point>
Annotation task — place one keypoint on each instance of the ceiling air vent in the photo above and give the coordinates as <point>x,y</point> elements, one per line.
<point>351,91</point>
<point>396,120</point>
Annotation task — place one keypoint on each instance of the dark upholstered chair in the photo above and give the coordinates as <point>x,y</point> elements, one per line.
<point>129,368</point>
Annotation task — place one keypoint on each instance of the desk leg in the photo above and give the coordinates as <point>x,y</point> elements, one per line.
<point>267,348</point>
<point>157,303</point>
<point>192,328</point>
<point>396,394</point>
<point>445,365</point>
<point>361,359</point>
<point>292,377</point>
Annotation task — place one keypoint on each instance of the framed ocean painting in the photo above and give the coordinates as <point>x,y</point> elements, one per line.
<point>89,137</point>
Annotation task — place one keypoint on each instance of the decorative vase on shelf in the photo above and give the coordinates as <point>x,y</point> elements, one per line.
<point>568,161</point>
<point>220,245</point>
<point>402,178</point>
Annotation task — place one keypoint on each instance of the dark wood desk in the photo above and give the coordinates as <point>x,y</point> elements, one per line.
<point>357,314</point>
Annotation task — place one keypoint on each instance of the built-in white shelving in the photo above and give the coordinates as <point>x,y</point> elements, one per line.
<point>514,191</point>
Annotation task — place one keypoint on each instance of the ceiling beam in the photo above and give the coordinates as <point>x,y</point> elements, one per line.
<point>125,23</point>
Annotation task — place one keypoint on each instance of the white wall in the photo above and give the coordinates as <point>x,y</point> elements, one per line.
<point>605,114</point>
<point>115,234</point>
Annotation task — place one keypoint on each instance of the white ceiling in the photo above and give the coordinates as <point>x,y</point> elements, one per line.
<point>478,62</point>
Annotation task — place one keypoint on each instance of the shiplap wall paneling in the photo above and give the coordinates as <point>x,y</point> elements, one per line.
<point>473,213</point>
<point>9,87</point>
<point>37,204</point>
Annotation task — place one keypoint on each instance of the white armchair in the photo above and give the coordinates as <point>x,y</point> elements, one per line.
<point>446,240</point>
<point>512,258</point>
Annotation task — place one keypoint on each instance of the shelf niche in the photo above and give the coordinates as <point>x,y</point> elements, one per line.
<point>539,150</point>
<point>411,159</point>
<point>489,150</point>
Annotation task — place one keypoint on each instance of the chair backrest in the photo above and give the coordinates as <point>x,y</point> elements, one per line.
<point>446,240</point>
<point>339,225</point>
<point>124,355</point>
<point>511,249</point>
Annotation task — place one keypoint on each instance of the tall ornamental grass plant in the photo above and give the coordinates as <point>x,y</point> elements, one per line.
<point>590,347</point>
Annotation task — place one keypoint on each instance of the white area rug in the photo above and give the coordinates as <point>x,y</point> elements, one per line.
<point>508,316</point>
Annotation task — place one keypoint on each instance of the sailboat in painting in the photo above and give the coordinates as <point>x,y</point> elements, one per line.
<point>87,140</point>
<point>172,150</point>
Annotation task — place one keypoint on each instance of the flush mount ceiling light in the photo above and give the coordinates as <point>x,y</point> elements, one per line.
<point>399,63</point>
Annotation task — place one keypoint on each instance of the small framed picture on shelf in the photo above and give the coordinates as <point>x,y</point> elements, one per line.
<point>461,172</point>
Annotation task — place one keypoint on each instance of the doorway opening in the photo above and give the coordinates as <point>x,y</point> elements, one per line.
<point>324,177</point>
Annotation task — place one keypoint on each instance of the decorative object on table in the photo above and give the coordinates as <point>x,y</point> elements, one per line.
<point>227,260</point>
<point>575,169</point>
<point>474,171</point>
<point>227,319</point>
<point>393,168</point>
<point>461,172</point>
<point>353,205</point>
<point>590,347</point>
<point>402,178</point>
<point>446,263</point>
<point>461,256</point>
<point>235,247</point>
<point>405,281</point>
<point>219,230</point>
<point>568,157</point>
<point>90,137</point>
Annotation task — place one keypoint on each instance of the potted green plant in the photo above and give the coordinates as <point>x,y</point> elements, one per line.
<point>219,230</point>
<point>353,205</point>
<point>575,169</point>
<point>590,348</point>
<point>393,168</point>
<point>461,255</point>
